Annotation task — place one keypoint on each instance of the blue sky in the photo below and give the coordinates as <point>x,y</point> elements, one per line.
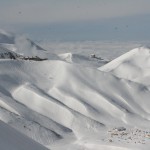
<point>77,19</point>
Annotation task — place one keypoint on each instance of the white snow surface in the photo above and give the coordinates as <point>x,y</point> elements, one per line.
<point>12,139</point>
<point>66,103</point>
<point>134,66</point>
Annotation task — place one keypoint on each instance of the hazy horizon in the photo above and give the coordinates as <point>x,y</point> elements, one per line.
<point>76,20</point>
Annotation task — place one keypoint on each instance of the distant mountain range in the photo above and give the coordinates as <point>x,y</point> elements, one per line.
<point>9,38</point>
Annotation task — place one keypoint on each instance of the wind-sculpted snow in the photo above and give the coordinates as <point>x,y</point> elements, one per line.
<point>80,101</point>
<point>134,66</point>
<point>65,105</point>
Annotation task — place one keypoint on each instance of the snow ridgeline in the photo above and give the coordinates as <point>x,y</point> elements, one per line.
<point>134,66</point>
<point>20,47</point>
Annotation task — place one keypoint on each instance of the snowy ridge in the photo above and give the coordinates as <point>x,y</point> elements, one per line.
<point>134,66</point>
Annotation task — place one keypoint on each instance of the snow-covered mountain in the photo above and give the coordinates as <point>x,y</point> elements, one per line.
<point>20,47</point>
<point>7,54</point>
<point>51,100</point>
<point>62,103</point>
<point>8,40</point>
<point>134,66</point>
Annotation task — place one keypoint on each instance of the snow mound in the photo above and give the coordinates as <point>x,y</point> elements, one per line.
<point>134,66</point>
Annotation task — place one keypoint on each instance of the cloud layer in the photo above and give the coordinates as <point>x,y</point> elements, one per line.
<point>24,46</point>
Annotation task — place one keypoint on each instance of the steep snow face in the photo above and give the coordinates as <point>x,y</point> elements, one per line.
<point>12,139</point>
<point>134,66</point>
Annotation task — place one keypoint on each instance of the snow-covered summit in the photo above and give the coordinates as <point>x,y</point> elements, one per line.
<point>7,39</point>
<point>134,65</point>
<point>12,46</point>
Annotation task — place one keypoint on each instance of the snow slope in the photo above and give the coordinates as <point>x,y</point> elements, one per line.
<point>7,54</point>
<point>51,100</point>
<point>12,139</point>
<point>134,66</point>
